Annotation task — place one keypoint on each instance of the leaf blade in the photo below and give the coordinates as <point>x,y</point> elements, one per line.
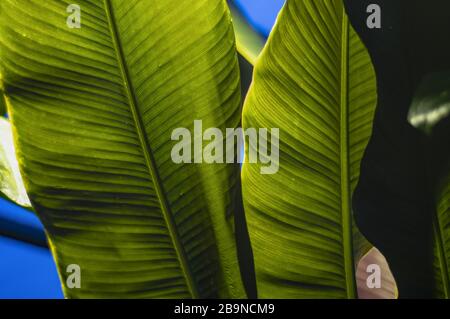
<point>296,215</point>
<point>84,112</point>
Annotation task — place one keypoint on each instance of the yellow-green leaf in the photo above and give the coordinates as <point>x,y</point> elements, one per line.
<point>314,81</point>
<point>93,109</point>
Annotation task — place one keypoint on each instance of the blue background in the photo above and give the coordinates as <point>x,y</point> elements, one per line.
<point>261,14</point>
<point>27,269</point>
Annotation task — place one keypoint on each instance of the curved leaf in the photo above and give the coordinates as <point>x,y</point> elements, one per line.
<point>314,81</point>
<point>442,242</point>
<point>93,110</point>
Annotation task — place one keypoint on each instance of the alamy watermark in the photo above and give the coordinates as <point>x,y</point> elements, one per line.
<point>374,19</point>
<point>74,278</point>
<point>226,146</point>
<point>74,19</point>
<point>373,281</point>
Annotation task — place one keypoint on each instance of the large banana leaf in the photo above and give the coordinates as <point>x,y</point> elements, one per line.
<point>93,111</point>
<point>314,81</point>
<point>442,241</point>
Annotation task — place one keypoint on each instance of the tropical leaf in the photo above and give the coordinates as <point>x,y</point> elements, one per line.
<point>315,82</point>
<point>93,109</point>
<point>442,242</point>
<point>11,183</point>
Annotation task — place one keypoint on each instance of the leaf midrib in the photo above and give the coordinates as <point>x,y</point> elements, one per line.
<point>345,166</point>
<point>147,151</point>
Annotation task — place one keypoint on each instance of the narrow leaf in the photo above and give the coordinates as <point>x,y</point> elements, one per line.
<point>315,82</point>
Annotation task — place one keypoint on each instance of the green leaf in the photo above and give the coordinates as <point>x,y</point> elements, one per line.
<point>441,232</point>
<point>11,183</point>
<point>93,111</point>
<point>314,81</point>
